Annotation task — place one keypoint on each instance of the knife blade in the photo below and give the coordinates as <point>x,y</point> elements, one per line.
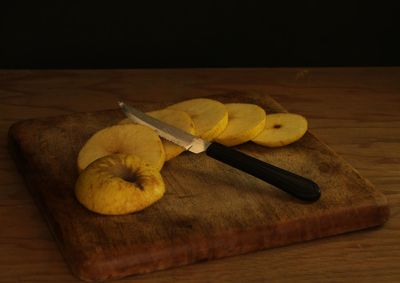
<point>293,184</point>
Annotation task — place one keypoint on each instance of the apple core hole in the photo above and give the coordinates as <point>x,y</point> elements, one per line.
<point>128,175</point>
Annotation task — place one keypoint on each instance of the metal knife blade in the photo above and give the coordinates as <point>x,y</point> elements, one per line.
<point>168,132</point>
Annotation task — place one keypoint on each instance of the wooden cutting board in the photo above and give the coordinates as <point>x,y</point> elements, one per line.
<point>209,210</point>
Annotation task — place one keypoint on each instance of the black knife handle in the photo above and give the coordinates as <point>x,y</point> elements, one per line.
<point>291,183</point>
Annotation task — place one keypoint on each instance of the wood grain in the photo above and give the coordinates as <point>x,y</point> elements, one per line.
<point>354,110</point>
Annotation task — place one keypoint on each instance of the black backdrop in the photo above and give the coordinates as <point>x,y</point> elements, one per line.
<point>162,34</point>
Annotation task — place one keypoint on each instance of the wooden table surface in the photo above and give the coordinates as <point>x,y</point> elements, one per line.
<point>356,111</point>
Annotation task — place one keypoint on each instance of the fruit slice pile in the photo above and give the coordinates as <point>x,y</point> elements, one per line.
<point>120,165</point>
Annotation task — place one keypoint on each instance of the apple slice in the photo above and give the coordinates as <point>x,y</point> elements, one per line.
<point>245,121</point>
<point>210,117</point>
<point>281,129</point>
<point>119,184</point>
<point>174,118</point>
<point>128,139</point>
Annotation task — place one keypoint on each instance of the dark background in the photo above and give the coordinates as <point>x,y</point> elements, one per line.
<point>164,34</point>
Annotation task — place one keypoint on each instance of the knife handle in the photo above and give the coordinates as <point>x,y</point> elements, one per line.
<point>289,182</point>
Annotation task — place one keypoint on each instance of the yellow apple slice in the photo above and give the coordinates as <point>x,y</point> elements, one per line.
<point>210,117</point>
<point>245,121</point>
<point>119,184</point>
<point>281,129</point>
<point>128,139</point>
<point>176,118</point>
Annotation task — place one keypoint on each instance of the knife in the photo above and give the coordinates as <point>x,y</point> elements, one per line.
<point>295,185</point>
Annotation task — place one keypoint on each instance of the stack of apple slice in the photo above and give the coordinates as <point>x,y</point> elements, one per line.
<point>120,165</point>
